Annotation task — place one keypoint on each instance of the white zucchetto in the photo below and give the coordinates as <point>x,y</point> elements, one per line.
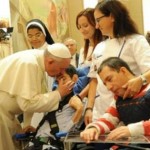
<point>59,50</point>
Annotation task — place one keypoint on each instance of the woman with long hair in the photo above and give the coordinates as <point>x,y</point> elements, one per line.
<point>124,41</point>
<point>85,23</point>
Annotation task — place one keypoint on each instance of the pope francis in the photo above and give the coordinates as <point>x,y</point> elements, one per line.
<point>23,87</point>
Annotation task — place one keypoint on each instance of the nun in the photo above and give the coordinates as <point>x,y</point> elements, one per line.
<point>38,35</point>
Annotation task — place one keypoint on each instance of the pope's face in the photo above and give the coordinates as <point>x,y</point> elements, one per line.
<point>56,68</point>
<point>113,80</point>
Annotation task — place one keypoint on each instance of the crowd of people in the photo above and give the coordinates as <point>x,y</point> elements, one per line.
<point>100,85</point>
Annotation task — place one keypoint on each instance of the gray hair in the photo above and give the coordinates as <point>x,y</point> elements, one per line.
<point>70,39</point>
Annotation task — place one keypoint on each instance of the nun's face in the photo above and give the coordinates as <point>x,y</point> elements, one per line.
<point>36,37</point>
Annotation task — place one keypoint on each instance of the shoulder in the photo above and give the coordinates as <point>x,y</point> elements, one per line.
<point>137,42</point>
<point>29,59</point>
<point>136,37</point>
<point>83,71</point>
<point>100,45</point>
<point>81,52</point>
<point>22,56</point>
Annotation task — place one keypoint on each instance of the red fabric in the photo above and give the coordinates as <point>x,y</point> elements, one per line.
<point>108,123</point>
<point>146,125</point>
<point>102,131</point>
<point>114,147</point>
<point>113,111</point>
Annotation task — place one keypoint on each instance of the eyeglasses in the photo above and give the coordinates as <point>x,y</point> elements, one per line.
<point>36,36</point>
<point>97,20</point>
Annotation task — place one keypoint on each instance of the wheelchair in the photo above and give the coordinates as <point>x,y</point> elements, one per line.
<point>30,142</point>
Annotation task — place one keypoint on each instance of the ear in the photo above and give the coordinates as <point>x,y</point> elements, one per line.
<point>50,61</point>
<point>124,70</point>
<point>75,78</point>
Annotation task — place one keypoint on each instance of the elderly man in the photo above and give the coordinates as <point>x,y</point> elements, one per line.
<point>133,111</point>
<point>23,87</point>
<point>72,45</point>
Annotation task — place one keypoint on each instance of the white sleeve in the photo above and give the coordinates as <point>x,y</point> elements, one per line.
<point>40,103</point>
<point>136,129</point>
<point>27,117</point>
<point>142,53</point>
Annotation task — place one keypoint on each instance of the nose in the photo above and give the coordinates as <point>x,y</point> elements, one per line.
<point>69,46</point>
<point>109,86</point>
<point>97,25</point>
<point>81,30</point>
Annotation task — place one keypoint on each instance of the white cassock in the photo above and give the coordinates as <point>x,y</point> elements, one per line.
<point>22,90</point>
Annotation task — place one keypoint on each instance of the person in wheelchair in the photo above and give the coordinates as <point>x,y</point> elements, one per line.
<point>132,111</point>
<point>69,114</point>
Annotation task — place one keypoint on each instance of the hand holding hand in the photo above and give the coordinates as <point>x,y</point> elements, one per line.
<point>89,134</point>
<point>65,89</point>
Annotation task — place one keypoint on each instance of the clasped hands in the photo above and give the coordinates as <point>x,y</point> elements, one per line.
<point>65,88</point>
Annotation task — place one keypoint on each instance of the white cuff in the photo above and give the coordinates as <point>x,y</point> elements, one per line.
<point>136,129</point>
<point>93,125</point>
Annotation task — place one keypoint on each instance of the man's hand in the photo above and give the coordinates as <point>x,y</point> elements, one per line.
<point>120,132</point>
<point>65,89</point>
<point>89,134</point>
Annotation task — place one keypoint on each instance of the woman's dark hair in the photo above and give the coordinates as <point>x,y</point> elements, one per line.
<point>48,37</point>
<point>123,24</point>
<point>114,63</point>
<point>89,14</point>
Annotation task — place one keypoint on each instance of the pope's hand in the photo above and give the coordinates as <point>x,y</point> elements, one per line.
<point>65,89</point>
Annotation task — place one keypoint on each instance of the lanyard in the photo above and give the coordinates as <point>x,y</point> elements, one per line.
<point>122,47</point>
